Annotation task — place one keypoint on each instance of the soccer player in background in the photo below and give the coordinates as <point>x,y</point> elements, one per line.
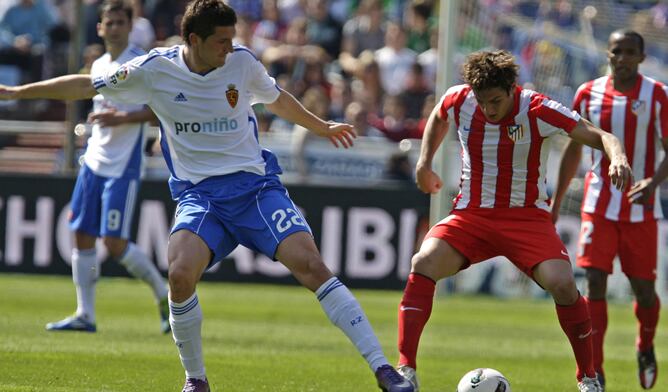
<point>502,208</point>
<point>226,185</point>
<point>634,108</point>
<point>106,189</point>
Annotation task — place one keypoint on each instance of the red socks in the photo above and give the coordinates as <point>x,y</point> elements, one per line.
<point>576,323</point>
<point>598,308</point>
<point>414,311</point>
<point>648,318</point>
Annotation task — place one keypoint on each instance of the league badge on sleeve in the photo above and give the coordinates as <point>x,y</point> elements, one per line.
<point>120,75</point>
<point>232,95</point>
<point>515,132</point>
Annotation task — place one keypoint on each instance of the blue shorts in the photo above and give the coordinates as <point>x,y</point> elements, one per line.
<point>240,208</point>
<point>103,206</point>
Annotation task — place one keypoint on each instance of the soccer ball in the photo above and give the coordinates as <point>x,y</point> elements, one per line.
<point>483,380</point>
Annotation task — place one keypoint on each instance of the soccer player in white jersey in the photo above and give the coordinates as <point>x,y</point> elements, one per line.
<point>634,108</point>
<point>502,208</point>
<point>226,185</point>
<point>106,189</point>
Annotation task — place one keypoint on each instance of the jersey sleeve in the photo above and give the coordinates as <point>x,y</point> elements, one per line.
<point>553,117</point>
<point>262,87</point>
<point>579,99</point>
<point>661,106</point>
<point>128,83</point>
<point>453,97</point>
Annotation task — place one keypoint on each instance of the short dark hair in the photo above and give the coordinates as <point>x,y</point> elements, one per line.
<point>203,16</point>
<point>114,6</point>
<point>484,70</point>
<point>632,34</point>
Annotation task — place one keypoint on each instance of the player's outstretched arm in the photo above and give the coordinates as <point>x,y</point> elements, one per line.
<point>113,117</point>
<point>570,160</point>
<point>287,107</point>
<point>435,130</point>
<point>619,171</point>
<point>642,192</point>
<point>68,87</point>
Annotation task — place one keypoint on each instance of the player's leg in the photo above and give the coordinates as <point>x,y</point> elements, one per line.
<point>556,276</point>
<point>85,223</point>
<point>435,260</point>
<point>273,225</point>
<point>300,255</point>
<point>639,264</point>
<point>118,203</point>
<point>597,248</point>
<point>597,282</point>
<point>188,256</point>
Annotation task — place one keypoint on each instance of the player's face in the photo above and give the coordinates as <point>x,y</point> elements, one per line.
<point>115,28</point>
<point>215,48</point>
<point>495,102</point>
<point>624,55</point>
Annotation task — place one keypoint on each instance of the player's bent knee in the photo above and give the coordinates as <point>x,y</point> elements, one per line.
<point>182,282</point>
<point>116,246</point>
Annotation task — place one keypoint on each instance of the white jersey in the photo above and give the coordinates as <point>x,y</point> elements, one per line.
<point>115,151</point>
<point>207,125</point>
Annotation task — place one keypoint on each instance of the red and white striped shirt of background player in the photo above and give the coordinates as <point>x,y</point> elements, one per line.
<point>639,118</point>
<point>504,164</point>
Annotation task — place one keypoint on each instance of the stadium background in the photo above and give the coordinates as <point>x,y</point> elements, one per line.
<point>362,204</point>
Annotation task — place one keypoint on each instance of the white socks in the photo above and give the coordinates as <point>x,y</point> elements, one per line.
<point>346,313</point>
<point>139,266</point>
<point>85,272</point>
<point>186,321</point>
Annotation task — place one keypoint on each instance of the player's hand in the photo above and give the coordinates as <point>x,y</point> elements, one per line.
<point>427,180</point>
<point>620,172</point>
<point>642,192</point>
<point>108,118</point>
<point>339,134</point>
<point>555,213</point>
<point>7,92</point>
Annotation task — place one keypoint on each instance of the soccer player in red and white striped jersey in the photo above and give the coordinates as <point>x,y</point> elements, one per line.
<point>634,108</point>
<point>502,208</point>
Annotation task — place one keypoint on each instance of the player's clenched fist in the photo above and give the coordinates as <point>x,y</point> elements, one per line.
<point>427,180</point>
<point>620,172</point>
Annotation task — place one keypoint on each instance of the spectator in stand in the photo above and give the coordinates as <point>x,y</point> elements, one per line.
<point>24,31</point>
<point>429,59</point>
<point>415,92</point>
<point>394,124</point>
<point>290,10</point>
<point>250,9</point>
<point>291,58</point>
<point>562,15</point>
<point>142,34</point>
<point>367,86</point>
<point>394,59</point>
<point>270,29</point>
<point>356,116</point>
<point>322,30</point>
<point>340,95</point>
<point>400,169</point>
<point>417,23</point>
<point>365,31</point>
<point>316,101</point>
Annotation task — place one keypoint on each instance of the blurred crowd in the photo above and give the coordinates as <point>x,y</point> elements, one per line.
<point>371,63</point>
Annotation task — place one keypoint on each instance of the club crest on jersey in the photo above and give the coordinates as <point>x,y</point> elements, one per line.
<point>638,107</point>
<point>232,95</point>
<point>120,75</point>
<point>515,132</point>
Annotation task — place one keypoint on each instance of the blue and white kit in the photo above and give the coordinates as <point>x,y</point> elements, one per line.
<point>106,189</point>
<point>226,185</point>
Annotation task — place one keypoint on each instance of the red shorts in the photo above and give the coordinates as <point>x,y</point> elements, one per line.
<point>602,239</point>
<point>526,236</point>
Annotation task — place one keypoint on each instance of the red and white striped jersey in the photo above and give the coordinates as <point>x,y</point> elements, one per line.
<point>639,118</point>
<point>504,164</point>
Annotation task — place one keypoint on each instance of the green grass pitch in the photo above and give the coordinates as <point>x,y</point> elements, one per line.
<point>276,338</point>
